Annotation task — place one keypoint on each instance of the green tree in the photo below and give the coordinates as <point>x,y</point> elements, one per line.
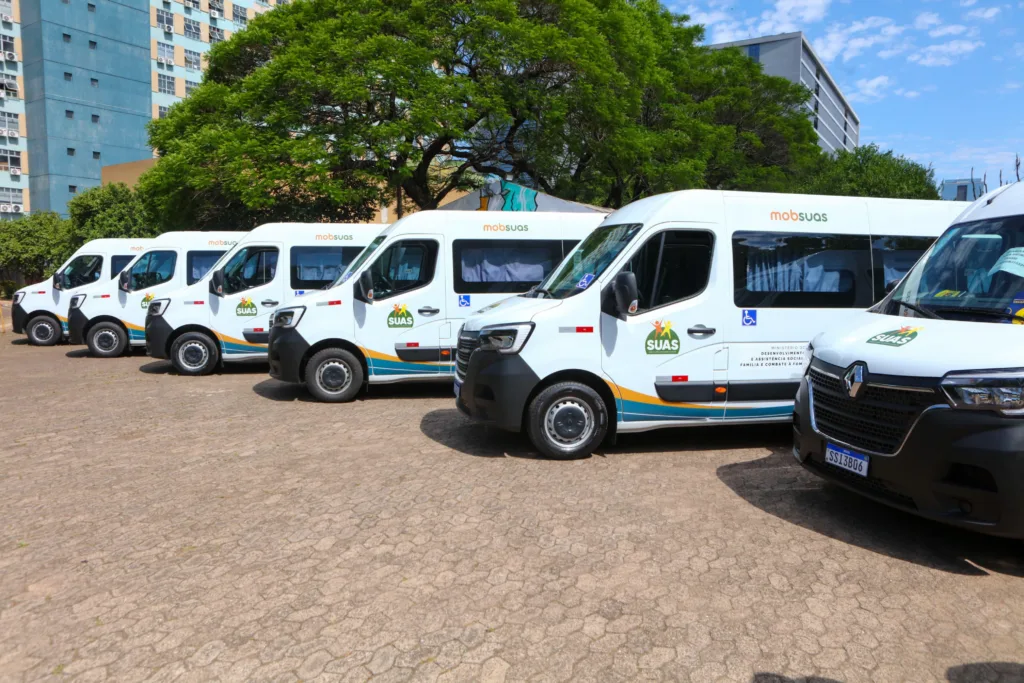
<point>113,210</point>
<point>869,172</point>
<point>321,109</point>
<point>34,244</point>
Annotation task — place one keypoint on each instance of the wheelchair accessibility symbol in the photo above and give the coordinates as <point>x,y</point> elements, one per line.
<point>464,301</point>
<point>749,317</point>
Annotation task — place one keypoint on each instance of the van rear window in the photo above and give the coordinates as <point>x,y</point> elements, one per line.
<point>198,264</point>
<point>118,263</point>
<point>317,267</point>
<point>503,266</point>
<point>799,270</point>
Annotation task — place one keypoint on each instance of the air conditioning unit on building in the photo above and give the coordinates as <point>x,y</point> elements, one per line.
<point>15,171</point>
<point>7,18</point>
<point>11,56</point>
<point>5,208</point>
<point>12,133</point>
<point>12,85</point>
<point>214,14</point>
<point>3,93</point>
<point>162,60</point>
<point>17,208</point>
<point>3,133</point>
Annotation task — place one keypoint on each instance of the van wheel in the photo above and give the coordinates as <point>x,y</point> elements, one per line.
<point>567,420</point>
<point>43,330</point>
<point>194,353</point>
<point>106,340</point>
<point>334,376</point>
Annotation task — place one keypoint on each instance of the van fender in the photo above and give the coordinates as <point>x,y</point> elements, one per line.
<point>604,387</point>
<point>333,344</point>
<point>178,331</point>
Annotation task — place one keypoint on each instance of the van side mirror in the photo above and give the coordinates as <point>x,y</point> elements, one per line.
<point>626,296</point>
<point>891,285</point>
<point>122,281</point>
<point>217,283</point>
<point>364,287</point>
<point>56,281</point>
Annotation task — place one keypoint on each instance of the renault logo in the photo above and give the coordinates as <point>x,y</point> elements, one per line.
<point>854,379</point>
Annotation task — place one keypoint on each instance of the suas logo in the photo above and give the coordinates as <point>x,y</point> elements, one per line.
<point>662,340</point>
<point>799,216</point>
<point>900,337</point>
<point>246,307</point>
<point>331,237</point>
<point>145,300</point>
<point>502,227</point>
<point>400,317</point>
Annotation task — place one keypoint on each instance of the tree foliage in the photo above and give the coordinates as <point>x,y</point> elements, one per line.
<point>112,210</point>
<point>322,108</point>
<point>869,172</point>
<point>34,244</point>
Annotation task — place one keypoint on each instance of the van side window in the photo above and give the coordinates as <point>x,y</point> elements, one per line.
<point>892,257</point>
<point>787,270</point>
<point>198,264</point>
<point>152,268</point>
<point>671,266</point>
<point>317,267</point>
<point>82,270</point>
<point>118,262</point>
<point>404,266</point>
<point>250,267</point>
<point>502,266</point>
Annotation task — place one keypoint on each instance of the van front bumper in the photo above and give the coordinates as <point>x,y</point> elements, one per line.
<point>960,467</point>
<point>496,388</point>
<point>19,317</point>
<point>158,332</point>
<point>76,325</point>
<point>285,352</point>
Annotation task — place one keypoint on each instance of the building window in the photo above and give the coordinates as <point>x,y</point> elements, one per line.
<point>92,44</point>
<point>95,155</point>
<point>69,114</point>
<point>165,53</point>
<point>217,6</point>
<point>192,4</point>
<point>165,84</point>
<point>92,7</point>
<point>190,86</point>
<point>71,151</point>
<point>161,112</point>
<point>9,120</point>
<point>961,193</point>
<point>9,158</point>
<point>11,195</point>
<point>754,52</point>
<point>67,75</point>
<point>73,189</point>
<point>7,43</point>
<point>239,16</point>
<point>165,20</point>
<point>67,37</point>
<point>193,60</point>
<point>192,29</point>
<point>95,118</point>
<point>94,82</point>
<point>216,35</point>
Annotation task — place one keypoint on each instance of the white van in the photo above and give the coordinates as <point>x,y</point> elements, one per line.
<point>41,310</point>
<point>688,308</point>
<point>226,315</point>
<point>919,402</point>
<point>111,316</point>
<point>393,315</point>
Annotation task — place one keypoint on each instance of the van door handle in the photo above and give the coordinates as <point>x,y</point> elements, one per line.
<point>427,310</point>
<point>700,330</point>
<point>268,302</point>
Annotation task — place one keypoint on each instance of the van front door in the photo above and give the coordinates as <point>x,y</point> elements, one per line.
<point>253,288</point>
<point>667,359</point>
<point>401,332</point>
<point>149,278</point>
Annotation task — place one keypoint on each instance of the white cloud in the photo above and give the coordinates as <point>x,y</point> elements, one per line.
<point>909,94</point>
<point>850,40</point>
<point>926,20</point>
<point>948,30</point>
<point>870,89</point>
<point>968,3</point>
<point>944,54</point>
<point>983,13</point>
<point>784,16</point>
<point>1018,49</point>
<point>1010,86</point>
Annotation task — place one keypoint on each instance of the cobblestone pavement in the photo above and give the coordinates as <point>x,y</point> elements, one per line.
<point>157,527</point>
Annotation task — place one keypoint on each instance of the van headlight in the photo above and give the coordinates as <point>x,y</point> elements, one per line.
<point>77,300</point>
<point>158,307</point>
<point>505,338</point>
<point>1001,392</point>
<point>288,318</point>
<point>18,296</point>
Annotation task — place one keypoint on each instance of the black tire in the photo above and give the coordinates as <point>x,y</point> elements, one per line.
<point>43,330</point>
<point>567,420</point>
<point>194,354</point>
<point>334,376</point>
<point>106,340</point>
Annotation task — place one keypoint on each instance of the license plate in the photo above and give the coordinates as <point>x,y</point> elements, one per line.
<point>458,388</point>
<point>847,459</point>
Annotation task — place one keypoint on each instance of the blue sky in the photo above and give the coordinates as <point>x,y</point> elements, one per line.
<point>940,81</point>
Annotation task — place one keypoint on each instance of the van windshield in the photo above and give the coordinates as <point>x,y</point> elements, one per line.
<point>358,262</point>
<point>974,271</point>
<point>588,260</point>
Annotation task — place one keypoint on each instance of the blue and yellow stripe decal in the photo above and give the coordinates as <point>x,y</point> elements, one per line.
<point>63,323</point>
<point>634,406</point>
<point>232,345</point>
<point>384,365</point>
<point>135,333</point>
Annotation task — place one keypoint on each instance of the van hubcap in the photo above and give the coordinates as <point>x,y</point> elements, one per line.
<point>569,422</point>
<point>334,376</point>
<point>193,355</point>
<point>105,340</point>
<point>44,331</point>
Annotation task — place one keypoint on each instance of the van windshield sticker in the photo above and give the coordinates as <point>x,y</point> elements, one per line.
<point>1012,262</point>
<point>662,339</point>
<point>900,337</point>
<point>585,281</point>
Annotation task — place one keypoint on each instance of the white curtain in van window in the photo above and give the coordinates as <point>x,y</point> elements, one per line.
<point>506,264</point>
<point>318,266</point>
<point>783,270</point>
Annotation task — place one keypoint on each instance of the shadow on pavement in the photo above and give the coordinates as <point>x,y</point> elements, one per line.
<point>23,341</point>
<point>285,391</point>
<point>79,353</point>
<point>779,486</point>
<point>997,672</point>
<point>282,391</point>
<point>165,367</point>
<point>779,678</point>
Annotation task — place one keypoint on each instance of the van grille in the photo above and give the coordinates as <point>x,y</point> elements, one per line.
<point>878,420</point>
<point>468,343</point>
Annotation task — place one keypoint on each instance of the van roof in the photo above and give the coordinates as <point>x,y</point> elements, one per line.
<point>110,243</point>
<point>306,229</point>
<point>478,219</point>
<point>198,236</point>
<point>999,203</point>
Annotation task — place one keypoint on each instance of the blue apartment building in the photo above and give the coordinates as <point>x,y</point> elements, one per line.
<point>82,78</point>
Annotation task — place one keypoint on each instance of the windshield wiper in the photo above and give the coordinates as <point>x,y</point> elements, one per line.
<point>928,313</point>
<point>990,312</point>
<point>539,290</point>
